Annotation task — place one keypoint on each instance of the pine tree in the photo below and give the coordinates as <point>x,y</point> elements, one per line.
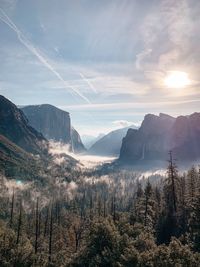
<point>149,213</point>
<point>196,216</point>
<point>169,220</point>
<point>172,185</point>
<point>192,178</point>
<point>183,216</point>
<point>137,212</point>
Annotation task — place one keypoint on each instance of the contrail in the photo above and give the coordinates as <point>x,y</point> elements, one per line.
<point>35,52</point>
<point>88,82</point>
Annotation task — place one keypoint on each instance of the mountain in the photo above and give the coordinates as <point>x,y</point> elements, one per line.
<point>54,124</point>
<point>160,134</point>
<point>14,126</point>
<point>24,152</point>
<point>89,140</point>
<point>110,144</point>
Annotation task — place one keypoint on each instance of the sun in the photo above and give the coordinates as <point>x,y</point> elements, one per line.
<point>177,79</point>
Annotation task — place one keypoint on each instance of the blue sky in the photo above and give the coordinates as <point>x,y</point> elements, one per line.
<point>103,61</point>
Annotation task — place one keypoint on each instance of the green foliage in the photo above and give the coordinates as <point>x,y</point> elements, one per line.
<point>12,254</point>
<point>102,246</point>
<point>87,220</point>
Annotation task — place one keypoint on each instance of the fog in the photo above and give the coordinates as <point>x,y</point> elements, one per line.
<point>57,149</point>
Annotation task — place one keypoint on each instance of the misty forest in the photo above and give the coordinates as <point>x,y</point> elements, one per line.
<point>99,133</point>
<point>57,209</point>
<point>69,217</point>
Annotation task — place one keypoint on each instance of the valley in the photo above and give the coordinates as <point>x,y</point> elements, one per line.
<point>57,206</point>
<point>99,133</point>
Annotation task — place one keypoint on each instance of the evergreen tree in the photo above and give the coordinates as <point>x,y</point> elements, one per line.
<point>169,220</point>
<point>149,206</point>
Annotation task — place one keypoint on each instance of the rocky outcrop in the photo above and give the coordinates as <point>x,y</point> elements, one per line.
<point>77,145</point>
<point>54,124</point>
<point>14,126</point>
<point>160,134</point>
<point>185,137</point>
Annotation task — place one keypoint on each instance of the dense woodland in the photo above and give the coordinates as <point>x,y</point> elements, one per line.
<point>85,219</point>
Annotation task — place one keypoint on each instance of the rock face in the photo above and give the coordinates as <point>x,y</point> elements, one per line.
<point>160,134</point>
<point>185,137</point>
<point>110,144</point>
<point>54,124</point>
<point>77,144</point>
<point>14,126</point>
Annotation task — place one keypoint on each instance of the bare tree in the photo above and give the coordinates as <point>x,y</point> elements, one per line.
<point>19,222</point>
<point>36,226</point>
<point>12,208</point>
<point>50,234</point>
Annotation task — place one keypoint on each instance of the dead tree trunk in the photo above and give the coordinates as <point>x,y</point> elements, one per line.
<point>19,223</point>
<point>36,227</point>
<point>172,176</point>
<point>12,208</point>
<point>50,234</point>
<point>46,222</point>
<point>104,206</point>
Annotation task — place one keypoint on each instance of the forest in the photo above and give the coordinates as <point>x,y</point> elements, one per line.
<point>90,219</point>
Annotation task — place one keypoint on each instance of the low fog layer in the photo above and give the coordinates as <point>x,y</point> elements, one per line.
<point>87,161</point>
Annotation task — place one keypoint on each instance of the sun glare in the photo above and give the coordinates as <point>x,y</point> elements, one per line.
<point>177,79</point>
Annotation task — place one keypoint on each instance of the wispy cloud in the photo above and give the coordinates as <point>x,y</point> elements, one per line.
<point>123,123</point>
<point>91,86</point>
<point>129,105</point>
<point>4,17</point>
<point>166,35</point>
<point>142,56</point>
<point>117,65</point>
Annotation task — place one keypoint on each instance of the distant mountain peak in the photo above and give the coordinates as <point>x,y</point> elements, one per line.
<point>109,144</point>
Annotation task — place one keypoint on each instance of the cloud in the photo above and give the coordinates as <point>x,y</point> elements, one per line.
<point>128,105</point>
<point>122,123</point>
<point>87,161</point>
<point>167,34</point>
<point>4,17</point>
<point>142,56</point>
<point>9,4</point>
<point>148,174</point>
<point>91,86</point>
<point>57,148</point>
<point>168,42</point>
<point>119,65</point>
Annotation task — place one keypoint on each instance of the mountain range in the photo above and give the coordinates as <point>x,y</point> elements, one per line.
<point>24,152</point>
<point>160,134</point>
<point>23,147</point>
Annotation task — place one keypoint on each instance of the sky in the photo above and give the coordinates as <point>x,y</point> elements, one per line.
<point>105,61</point>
